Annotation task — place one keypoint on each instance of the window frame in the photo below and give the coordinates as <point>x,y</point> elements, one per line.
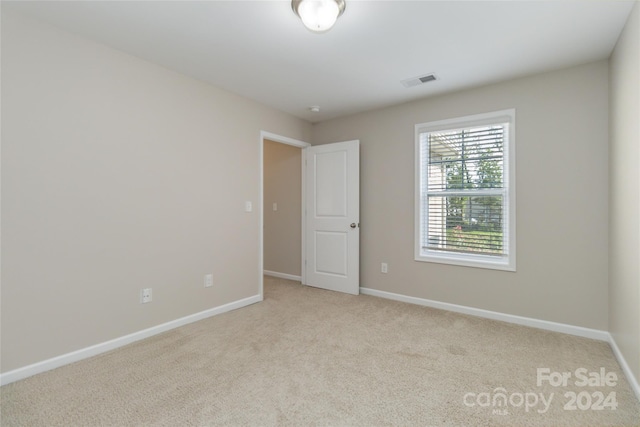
<point>505,262</point>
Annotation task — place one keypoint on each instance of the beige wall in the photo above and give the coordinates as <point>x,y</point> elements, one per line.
<point>624,207</point>
<point>562,191</point>
<point>282,228</point>
<point>117,175</point>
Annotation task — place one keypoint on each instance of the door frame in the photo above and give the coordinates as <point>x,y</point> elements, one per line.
<point>302,145</point>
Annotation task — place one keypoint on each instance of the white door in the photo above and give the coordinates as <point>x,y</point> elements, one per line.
<point>333,216</point>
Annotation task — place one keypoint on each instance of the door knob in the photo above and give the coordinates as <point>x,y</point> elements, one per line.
<point>353,225</point>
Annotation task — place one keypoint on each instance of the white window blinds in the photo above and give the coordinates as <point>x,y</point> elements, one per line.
<point>464,191</point>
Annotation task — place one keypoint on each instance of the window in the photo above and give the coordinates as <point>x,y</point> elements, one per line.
<point>465,199</point>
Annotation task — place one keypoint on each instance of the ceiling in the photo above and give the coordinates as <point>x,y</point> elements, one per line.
<point>260,49</point>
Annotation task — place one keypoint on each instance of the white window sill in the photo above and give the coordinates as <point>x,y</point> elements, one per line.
<point>464,260</point>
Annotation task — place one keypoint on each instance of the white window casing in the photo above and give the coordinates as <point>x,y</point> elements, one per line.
<point>465,204</point>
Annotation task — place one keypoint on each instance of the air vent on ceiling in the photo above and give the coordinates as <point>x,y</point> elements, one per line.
<point>415,81</point>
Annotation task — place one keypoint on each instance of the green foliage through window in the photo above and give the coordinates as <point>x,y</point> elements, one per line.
<point>465,168</point>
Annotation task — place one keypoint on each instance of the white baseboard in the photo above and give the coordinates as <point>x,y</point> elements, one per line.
<point>633,382</point>
<point>65,359</point>
<point>494,315</point>
<point>282,275</point>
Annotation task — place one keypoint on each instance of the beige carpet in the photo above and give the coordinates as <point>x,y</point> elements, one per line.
<point>311,357</point>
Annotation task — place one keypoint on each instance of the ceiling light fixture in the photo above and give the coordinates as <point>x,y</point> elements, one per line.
<point>318,15</point>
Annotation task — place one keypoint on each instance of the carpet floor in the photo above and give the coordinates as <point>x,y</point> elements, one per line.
<point>306,356</point>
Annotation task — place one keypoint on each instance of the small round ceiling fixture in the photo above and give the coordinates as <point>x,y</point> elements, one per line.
<point>318,15</point>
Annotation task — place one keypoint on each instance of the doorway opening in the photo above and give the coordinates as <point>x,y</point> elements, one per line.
<point>282,198</point>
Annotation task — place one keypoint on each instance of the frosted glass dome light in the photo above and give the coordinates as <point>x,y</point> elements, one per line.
<point>318,15</point>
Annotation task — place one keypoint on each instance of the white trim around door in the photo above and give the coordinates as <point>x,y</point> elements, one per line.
<point>295,143</point>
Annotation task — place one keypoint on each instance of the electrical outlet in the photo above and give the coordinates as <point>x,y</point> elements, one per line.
<point>384,268</point>
<point>145,296</point>
<point>208,280</point>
